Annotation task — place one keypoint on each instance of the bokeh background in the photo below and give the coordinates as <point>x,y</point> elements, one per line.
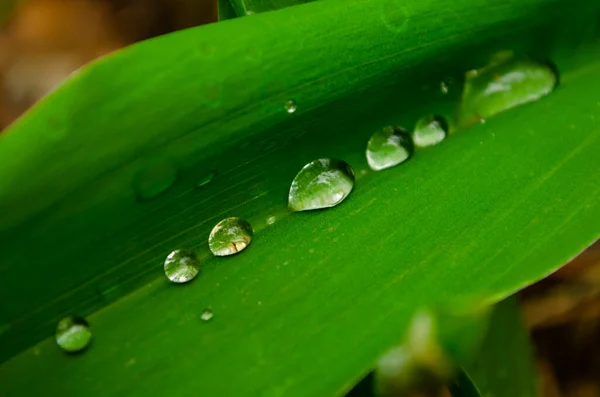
<point>43,41</point>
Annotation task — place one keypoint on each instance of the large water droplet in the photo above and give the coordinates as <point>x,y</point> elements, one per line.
<point>502,85</point>
<point>430,130</point>
<point>322,183</point>
<point>230,236</point>
<point>182,266</point>
<point>154,178</point>
<point>291,106</point>
<point>73,334</point>
<point>389,147</point>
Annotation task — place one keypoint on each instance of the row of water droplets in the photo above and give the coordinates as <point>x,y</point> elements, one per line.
<point>503,84</point>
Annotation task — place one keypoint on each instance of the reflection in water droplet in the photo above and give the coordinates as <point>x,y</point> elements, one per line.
<point>205,180</point>
<point>73,334</point>
<point>181,266</point>
<point>322,183</point>
<point>154,178</point>
<point>502,85</point>
<point>207,315</point>
<point>290,106</point>
<point>389,147</point>
<point>430,130</point>
<point>230,236</point>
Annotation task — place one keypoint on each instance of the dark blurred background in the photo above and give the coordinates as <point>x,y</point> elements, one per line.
<point>43,41</point>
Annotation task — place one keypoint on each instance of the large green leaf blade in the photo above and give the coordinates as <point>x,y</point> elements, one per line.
<point>196,97</point>
<point>268,334</point>
<point>283,308</point>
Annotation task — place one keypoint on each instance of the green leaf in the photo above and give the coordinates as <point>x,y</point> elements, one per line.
<point>505,367</point>
<point>248,7</point>
<point>226,10</point>
<point>485,212</point>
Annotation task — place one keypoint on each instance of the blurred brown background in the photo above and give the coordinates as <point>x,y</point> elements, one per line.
<point>43,41</point>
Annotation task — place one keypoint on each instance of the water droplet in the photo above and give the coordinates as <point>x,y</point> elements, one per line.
<point>321,183</point>
<point>205,180</point>
<point>290,106</point>
<point>271,220</point>
<point>502,85</point>
<point>389,147</point>
<point>444,87</point>
<point>430,130</point>
<point>230,236</point>
<point>154,178</point>
<point>207,315</point>
<point>73,334</point>
<point>181,266</point>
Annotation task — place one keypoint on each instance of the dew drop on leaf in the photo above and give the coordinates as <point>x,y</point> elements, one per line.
<point>388,147</point>
<point>502,85</point>
<point>320,184</point>
<point>290,106</point>
<point>181,266</point>
<point>230,236</point>
<point>430,130</point>
<point>444,87</point>
<point>207,315</point>
<point>73,334</point>
<point>154,178</point>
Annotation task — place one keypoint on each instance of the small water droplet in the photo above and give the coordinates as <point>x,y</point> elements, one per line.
<point>205,180</point>
<point>154,178</point>
<point>430,130</point>
<point>389,147</point>
<point>444,87</point>
<point>207,315</point>
<point>290,106</point>
<point>230,236</point>
<point>73,334</point>
<point>320,184</point>
<point>503,84</point>
<point>271,220</point>
<point>181,266</point>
